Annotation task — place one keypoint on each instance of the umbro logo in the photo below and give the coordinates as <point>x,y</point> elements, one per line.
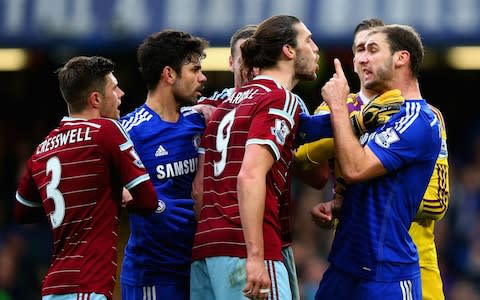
<point>161,151</point>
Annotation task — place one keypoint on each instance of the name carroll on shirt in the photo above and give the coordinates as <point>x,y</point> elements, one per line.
<point>69,137</point>
<point>177,168</point>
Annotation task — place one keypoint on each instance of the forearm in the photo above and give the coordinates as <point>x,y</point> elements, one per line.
<point>197,186</point>
<point>316,177</point>
<point>144,200</point>
<point>251,200</point>
<point>349,153</point>
<point>310,155</point>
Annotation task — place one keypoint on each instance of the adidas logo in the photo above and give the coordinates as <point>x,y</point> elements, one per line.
<point>161,151</point>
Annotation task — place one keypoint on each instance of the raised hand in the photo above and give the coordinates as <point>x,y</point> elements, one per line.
<point>336,90</point>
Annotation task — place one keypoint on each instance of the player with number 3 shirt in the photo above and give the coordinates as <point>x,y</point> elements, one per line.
<point>75,177</point>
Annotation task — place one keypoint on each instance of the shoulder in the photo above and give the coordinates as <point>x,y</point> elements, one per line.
<point>417,125</point>
<point>187,111</point>
<point>135,118</point>
<point>438,115</point>
<point>414,114</point>
<point>110,129</point>
<point>217,96</point>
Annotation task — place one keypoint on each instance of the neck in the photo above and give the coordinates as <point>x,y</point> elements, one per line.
<point>283,74</point>
<point>162,102</point>
<point>369,94</point>
<point>88,113</point>
<point>408,86</point>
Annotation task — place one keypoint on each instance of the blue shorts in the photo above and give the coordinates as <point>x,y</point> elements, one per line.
<point>75,296</point>
<point>289,261</point>
<point>338,285</point>
<point>152,292</point>
<point>224,277</point>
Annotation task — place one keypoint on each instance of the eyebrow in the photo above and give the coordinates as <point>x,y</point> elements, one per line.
<point>371,43</point>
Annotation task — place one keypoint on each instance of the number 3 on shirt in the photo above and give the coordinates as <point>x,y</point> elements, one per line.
<point>54,167</point>
<point>223,136</point>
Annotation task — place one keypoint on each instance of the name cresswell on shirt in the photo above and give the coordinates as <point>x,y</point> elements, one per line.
<point>69,137</point>
<point>177,168</point>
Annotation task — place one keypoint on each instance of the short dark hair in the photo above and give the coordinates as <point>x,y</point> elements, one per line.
<point>364,25</point>
<point>167,48</point>
<point>81,76</point>
<point>264,48</point>
<point>243,33</point>
<point>404,37</point>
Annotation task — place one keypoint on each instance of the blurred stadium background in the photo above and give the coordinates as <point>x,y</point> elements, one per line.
<point>38,36</point>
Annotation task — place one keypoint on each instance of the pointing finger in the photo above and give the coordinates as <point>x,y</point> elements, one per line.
<point>338,68</point>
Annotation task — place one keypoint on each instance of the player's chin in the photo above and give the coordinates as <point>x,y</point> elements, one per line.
<point>198,94</point>
<point>308,76</point>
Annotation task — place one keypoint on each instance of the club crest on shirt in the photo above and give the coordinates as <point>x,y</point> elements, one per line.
<point>280,131</point>
<point>161,206</point>
<point>196,140</point>
<point>443,150</point>
<point>386,138</point>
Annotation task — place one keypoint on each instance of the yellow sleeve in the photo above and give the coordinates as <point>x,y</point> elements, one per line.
<point>312,154</point>
<point>435,201</point>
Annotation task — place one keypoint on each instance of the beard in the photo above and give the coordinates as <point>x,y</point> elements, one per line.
<point>185,101</point>
<point>184,98</point>
<point>302,73</point>
<point>382,77</point>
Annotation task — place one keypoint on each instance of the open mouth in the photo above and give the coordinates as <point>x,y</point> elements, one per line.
<point>366,73</point>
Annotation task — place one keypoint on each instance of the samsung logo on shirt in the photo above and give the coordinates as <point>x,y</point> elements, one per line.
<point>178,168</point>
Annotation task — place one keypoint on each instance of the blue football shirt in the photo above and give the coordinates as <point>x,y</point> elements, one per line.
<point>372,240</point>
<point>169,151</point>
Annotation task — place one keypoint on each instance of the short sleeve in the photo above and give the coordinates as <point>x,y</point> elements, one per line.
<point>275,121</point>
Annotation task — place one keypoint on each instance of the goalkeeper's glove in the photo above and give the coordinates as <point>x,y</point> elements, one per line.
<point>377,112</point>
<point>173,214</point>
<point>312,128</point>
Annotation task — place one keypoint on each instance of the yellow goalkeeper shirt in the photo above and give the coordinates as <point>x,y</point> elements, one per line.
<point>433,205</point>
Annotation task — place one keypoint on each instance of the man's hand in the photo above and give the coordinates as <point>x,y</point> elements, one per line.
<point>335,91</point>
<point>377,112</point>
<point>258,280</point>
<point>206,110</point>
<point>126,197</point>
<point>313,128</point>
<point>322,214</point>
<point>174,213</point>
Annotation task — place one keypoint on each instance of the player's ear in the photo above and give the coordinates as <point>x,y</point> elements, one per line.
<point>401,58</point>
<point>288,51</point>
<point>169,74</point>
<point>94,99</point>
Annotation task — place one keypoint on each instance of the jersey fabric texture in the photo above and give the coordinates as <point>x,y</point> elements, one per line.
<point>286,205</point>
<point>261,112</point>
<point>156,253</point>
<point>372,240</point>
<point>77,174</point>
